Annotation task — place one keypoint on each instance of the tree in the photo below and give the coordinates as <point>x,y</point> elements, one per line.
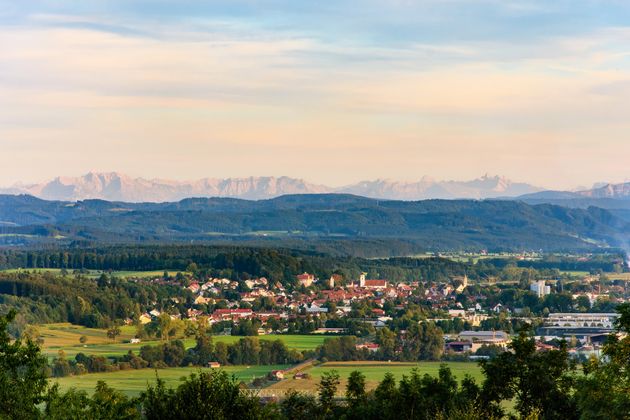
<point>109,404</point>
<point>356,396</point>
<point>540,382</point>
<point>583,303</point>
<point>173,353</point>
<point>604,391</point>
<point>192,268</point>
<point>386,339</point>
<point>113,332</point>
<point>105,404</point>
<point>83,339</point>
<point>204,350</point>
<point>386,396</point>
<point>72,405</point>
<point>221,353</point>
<point>164,323</point>
<point>61,367</point>
<point>355,390</point>
<point>298,406</point>
<point>212,395</point>
<point>23,383</point>
<point>32,333</point>
<point>327,388</point>
<point>423,342</point>
<point>489,350</point>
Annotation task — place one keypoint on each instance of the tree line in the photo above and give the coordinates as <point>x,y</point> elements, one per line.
<point>282,264</point>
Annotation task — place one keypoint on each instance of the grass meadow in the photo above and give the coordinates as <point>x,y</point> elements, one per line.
<point>133,382</point>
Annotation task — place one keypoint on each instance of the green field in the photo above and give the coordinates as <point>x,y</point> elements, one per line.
<point>66,337</point>
<point>133,382</point>
<point>575,273</point>
<point>374,372</point>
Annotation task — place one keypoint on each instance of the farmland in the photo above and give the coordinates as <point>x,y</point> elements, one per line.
<point>133,382</point>
<point>66,337</point>
<point>374,372</point>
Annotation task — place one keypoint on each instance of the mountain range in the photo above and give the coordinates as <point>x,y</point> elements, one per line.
<point>115,186</point>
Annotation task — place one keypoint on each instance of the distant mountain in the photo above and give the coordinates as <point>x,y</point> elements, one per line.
<point>119,187</point>
<point>616,191</point>
<point>428,188</point>
<point>432,224</point>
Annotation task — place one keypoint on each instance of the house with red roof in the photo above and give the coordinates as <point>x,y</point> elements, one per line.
<point>372,284</point>
<point>230,314</point>
<point>305,279</point>
<point>371,347</point>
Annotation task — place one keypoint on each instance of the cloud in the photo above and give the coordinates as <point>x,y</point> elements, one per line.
<point>224,93</point>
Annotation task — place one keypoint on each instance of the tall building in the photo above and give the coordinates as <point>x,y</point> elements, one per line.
<point>540,288</point>
<point>372,284</point>
<point>362,280</point>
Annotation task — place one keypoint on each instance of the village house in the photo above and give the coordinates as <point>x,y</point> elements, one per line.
<point>231,314</point>
<point>202,300</point>
<point>277,375</point>
<point>378,312</point>
<point>371,347</point>
<point>305,279</point>
<point>145,318</point>
<point>194,287</point>
<point>463,283</point>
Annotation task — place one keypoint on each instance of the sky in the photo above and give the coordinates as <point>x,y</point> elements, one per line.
<point>332,91</point>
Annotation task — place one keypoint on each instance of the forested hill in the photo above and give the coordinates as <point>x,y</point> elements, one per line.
<point>433,224</point>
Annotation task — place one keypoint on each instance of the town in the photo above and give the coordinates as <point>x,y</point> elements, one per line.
<point>474,319</point>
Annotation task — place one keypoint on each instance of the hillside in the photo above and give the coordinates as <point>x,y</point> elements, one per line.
<point>615,196</point>
<point>433,224</point>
